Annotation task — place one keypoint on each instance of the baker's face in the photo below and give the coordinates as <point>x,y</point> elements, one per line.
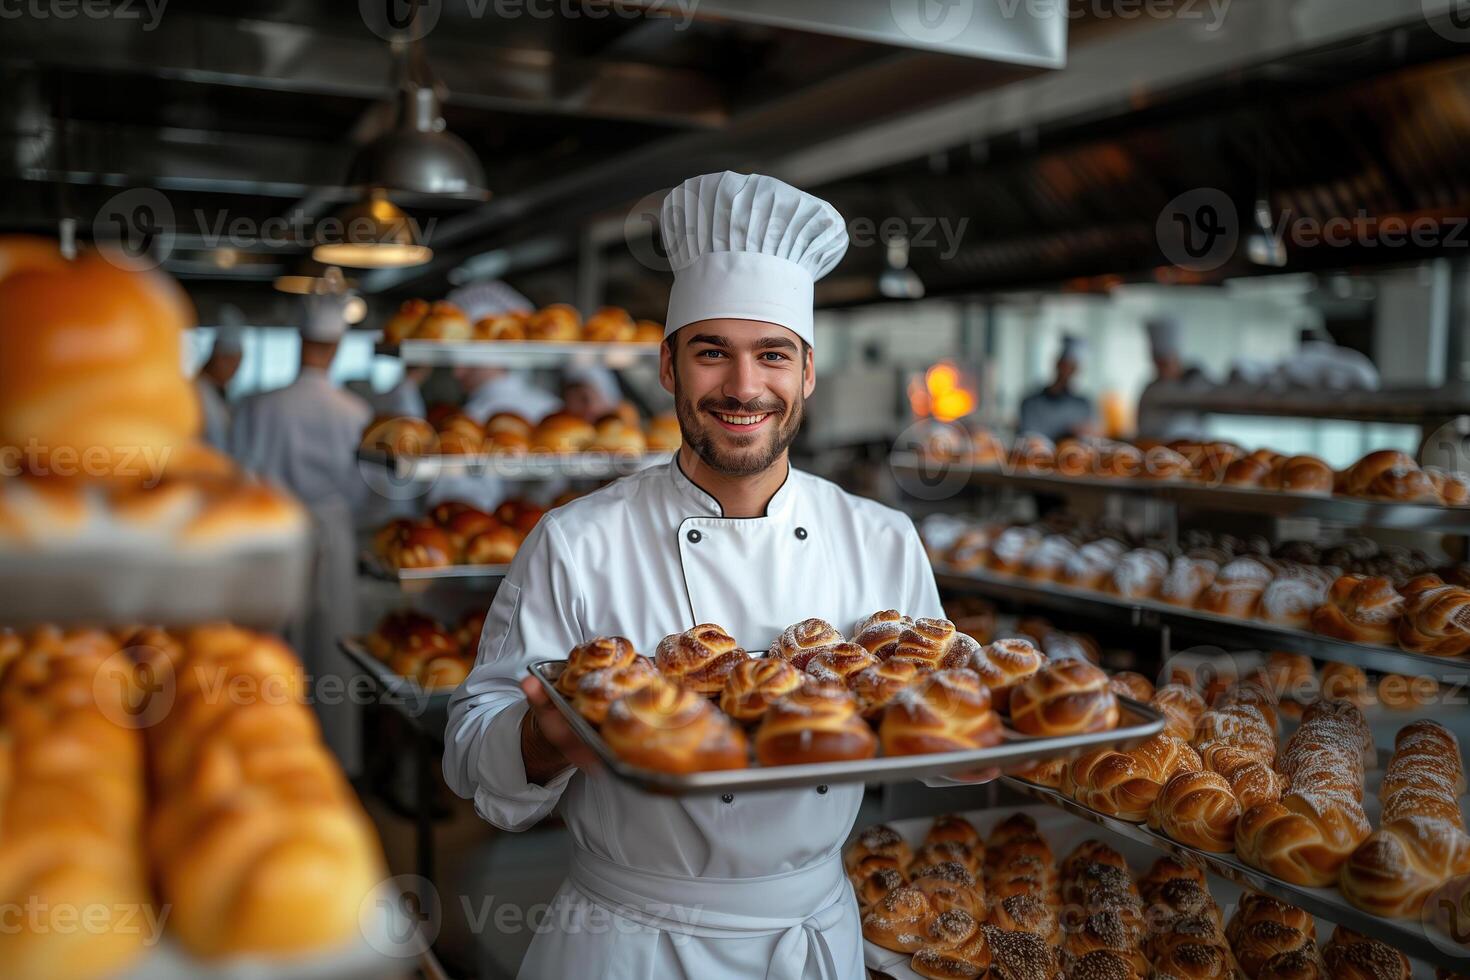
<point>740,387</point>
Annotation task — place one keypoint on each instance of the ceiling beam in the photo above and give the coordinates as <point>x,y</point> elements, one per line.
<point>298,58</point>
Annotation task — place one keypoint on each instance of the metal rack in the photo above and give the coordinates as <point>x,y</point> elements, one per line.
<point>1404,405</point>
<point>528,466</point>
<point>450,577</point>
<point>1249,634</point>
<point>518,353</point>
<point>1336,509</point>
<point>1408,935</point>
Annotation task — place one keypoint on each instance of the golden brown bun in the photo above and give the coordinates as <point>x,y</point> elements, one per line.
<point>950,957</point>
<point>610,324</point>
<point>465,524</point>
<point>1125,784</point>
<point>597,654</point>
<point>562,432</point>
<point>950,885</point>
<point>1046,773</point>
<point>1138,574</point>
<point>839,662</point>
<point>1026,913</point>
<point>648,332</point>
<point>879,843</point>
<point>596,691</point>
<point>1129,684</point>
<point>92,364</point>
<point>507,443</point>
<point>1452,486</point>
<point>699,659</point>
<point>405,322</point>
<point>423,546</point>
<point>948,711</point>
<point>664,434</point>
<point>1388,474</point>
<point>955,828</point>
<point>1254,907</point>
<point>1242,726</point>
<point>871,887</point>
<point>876,686</point>
<point>507,422</point>
<point>458,422</point>
<point>1065,697</point>
<point>818,722</point>
<point>1251,779</point>
<point>1249,472</point>
<point>501,326</point>
<point>1021,956</point>
<point>1299,964</point>
<point>444,321</point>
<point>948,851</point>
<point>899,920</point>
<point>1436,619</point>
<point>614,434</point>
<point>401,436</point>
<point>1367,960</point>
<point>1303,474</point>
<point>1197,809</point>
<point>755,684</point>
<point>669,729</point>
<point>933,644</point>
<point>496,546</point>
<point>242,514</point>
<point>558,322</point>
<point>1181,707</point>
<point>1360,609</point>
<point>1003,665</point>
<point>1237,589</point>
<point>799,642</point>
<point>880,633</point>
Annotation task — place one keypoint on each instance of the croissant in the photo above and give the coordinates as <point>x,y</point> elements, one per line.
<point>598,690</point>
<point>877,685</point>
<point>899,920</point>
<point>755,684</point>
<point>819,722</point>
<point>948,711</point>
<point>1004,664</point>
<point>667,728</point>
<point>880,632</point>
<point>1436,618</point>
<point>1125,784</point>
<point>934,644</point>
<point>1181,708</point>
<point>699,659</point>
<point>1065,697</point>
<point>1197,809</point>
<point>1361,610</point>
<point>802,641</point>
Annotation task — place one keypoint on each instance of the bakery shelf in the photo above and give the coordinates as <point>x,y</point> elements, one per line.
<point>518,353</point>
<point>1243,633</point>
<point>528,466</point>
<point>1403,405</point>
<point>1140,723</point>
<point>1336,509</point>
<point>418,580</point>
<point>426,710</point>
<point>1407,935</point>
<point>260,587</point>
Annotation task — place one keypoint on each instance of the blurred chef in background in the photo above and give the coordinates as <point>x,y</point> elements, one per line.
<point>1154,421</point>
<point>215,376</point>
<point>304,438</point>
<point>489,390</point>
<point>590,392</point>
<point>1056,411</point>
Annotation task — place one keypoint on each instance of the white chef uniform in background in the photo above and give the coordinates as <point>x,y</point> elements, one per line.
<point>749,885</point>
<point>304,437</point>
<point>227,349</point>
<point>1170,371</point>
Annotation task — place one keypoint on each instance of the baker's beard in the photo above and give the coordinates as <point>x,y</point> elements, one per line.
<point>751,454</point>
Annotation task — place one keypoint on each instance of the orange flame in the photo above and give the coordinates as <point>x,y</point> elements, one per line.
<point>942,394</point>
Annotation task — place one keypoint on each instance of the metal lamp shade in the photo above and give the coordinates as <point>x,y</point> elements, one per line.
<point>371,234</point>
<point>419,157</point>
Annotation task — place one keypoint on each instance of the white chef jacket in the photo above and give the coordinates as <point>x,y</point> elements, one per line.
<point>216,413</point>
<point>304,437</point>
<point>696,886</point>
<point>511,392</point>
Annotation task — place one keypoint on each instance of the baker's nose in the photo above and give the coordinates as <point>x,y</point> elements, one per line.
<point>744,382</point>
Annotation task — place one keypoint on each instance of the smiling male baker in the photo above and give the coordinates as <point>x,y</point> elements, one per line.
<point>740,885</point>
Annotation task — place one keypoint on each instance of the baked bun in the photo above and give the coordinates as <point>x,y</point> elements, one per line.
<point>1299,964</point>
<point>1187,580</point>
<point>444,321</point>
<point>1436,618</point>
<point>598,654</point>
<point>1004,664</point>
<point>508,422</point>
<point>562,432</point>
<point>1367,960</point>
<point>1046,562</point>
<point>948,711</point>
<point>699,659</point>
<point>1181,707</point>
<point>1452,486</point>
<point>880,633</point>
<point>1293,595</point>
<point>871,887</point>
<point>1021,956</point>
<point>839,662</point>
<point>1303,474</point>
<point>946,852</point>
<point>932,644</point>
<point>423,546</point>
<point>1250,472</point>
<point>1064,697</point>
<point>1390,475</point>
<point>557,322</point>
<point>670,729</point>
<point>801,641</point>
<point>1138,574</point>
<point>1011,548</point>
<point>1092,565</point>
<point>899,920</point>
<point>598,689</point>
<point>616,435</point>
<point>610,324</point>
<point>818,722</point>
<point>405,323</point>
<point>1125,784</point>
<point>648,332</point>
<point>501,326</point>
<point>879,846</point>
<point>1251,779</point>
<point>1128,684</point>
<point>1361,610</point>
<point>663,434</point>
<point>876,686</point>
<point>755,684</point>
<point>1026,913</point>
<point>1237,589</point>
<point>951,827</point>
<point>496,546</point>
<point>1197,809</point>
<point>401,436</point>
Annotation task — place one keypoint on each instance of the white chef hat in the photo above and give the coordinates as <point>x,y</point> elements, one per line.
<point>323,317</point>
<point>482,299</point>
<point>747,247</point>
<point>1163,336</point>
<point>228,336</point>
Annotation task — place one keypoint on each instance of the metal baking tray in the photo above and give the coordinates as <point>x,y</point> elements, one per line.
<point>1138,723</point>
<point>257,587</point>
<point>1409,935</point>
<point>1246,633</point>
<point>518,353</point>
<point>515,466</point>
<point>402,694</point>
<point>416,580</point>
<point>1354,511</point>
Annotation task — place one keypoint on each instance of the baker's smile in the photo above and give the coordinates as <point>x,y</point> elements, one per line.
<point>742,420</point>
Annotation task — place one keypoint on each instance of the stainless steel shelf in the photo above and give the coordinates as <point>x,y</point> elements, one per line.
<point>418,580</point>
<point>427,710</point>
<point>1407,935</point>
<point>1403,405</point>
<point>528,466</point>
<point>1249,634</point>
<point>1336,509</point>
<point>517,353</point>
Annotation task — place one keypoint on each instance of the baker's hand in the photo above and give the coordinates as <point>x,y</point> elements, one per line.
<point>548,745</point>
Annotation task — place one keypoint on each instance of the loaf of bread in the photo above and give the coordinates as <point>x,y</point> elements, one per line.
<point>1293,595</point>
<point>1139,574</point>
<point>668,728</point>
<point>557,322</point>
<point>1128,684</point>
<point>1046,561</point>
<point>818,722</point>
<point>562,432</point>
<point>610,324</point>
<point>699,659</point>
<point>1011,549</point>
<point>1064,697</point>
<point>1350,956</point>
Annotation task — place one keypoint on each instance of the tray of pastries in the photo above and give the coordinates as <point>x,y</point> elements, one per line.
<point>441,333</point>
<point>417,659</point>
<point>902,699</point>
<point>985,894</point>
<point>452,540</point>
